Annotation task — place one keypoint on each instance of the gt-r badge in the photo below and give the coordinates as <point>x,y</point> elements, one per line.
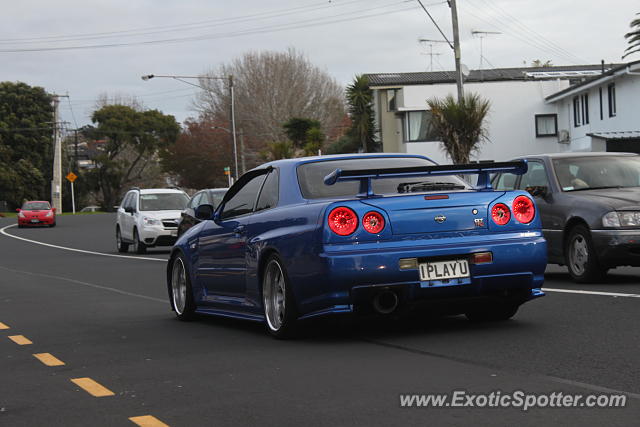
<point>479,222</point>
<point>440,219</point>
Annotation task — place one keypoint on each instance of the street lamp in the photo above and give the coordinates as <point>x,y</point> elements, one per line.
<point>147,77</point>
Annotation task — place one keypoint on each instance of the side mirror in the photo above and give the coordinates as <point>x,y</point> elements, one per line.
<point>538,191</point>
<point>54,210</point>
<point>204,212</point>
<point>129,209</point>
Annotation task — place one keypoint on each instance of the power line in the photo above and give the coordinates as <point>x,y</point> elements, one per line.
<point>435,23</point>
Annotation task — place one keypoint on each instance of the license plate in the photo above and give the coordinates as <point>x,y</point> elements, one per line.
<point>444,270</point>
<point>35,221</point>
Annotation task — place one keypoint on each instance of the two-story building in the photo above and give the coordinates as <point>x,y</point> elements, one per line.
<point>528,112</point>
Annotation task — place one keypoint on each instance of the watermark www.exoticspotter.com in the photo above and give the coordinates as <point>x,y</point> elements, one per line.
<point>516,399</point>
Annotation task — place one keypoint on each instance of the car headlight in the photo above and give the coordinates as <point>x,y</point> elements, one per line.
<point>49,214</point>
<point>20,214</point>
<point>622,219</point>
<point>150,221</point>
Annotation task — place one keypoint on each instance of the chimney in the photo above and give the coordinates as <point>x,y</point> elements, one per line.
<point>602,63</point>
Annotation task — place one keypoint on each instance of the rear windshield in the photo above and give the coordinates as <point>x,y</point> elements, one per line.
<point>311,178</point>
<point>163,202</point>
<point>36,206</point>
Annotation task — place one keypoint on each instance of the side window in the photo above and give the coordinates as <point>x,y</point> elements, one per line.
<point>243,201</point>
<point>536,176</point>
<point>505,182</point>
<point>127,202</point>
<point>195,201</point>
<point>269,194</point>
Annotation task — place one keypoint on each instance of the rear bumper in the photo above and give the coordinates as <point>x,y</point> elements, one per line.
<point>617,247</point>
<point>354,274</point>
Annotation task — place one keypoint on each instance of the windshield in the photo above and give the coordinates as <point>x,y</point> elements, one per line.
<point>311,178</point>
<point>589,173</point>
<point>36,206</point>
<point>163,202</point>
<point>216,197</point>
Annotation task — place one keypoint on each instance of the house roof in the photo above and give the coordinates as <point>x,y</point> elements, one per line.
<point>619,136</point>
<point>496,74</point>
<point>611,74</point>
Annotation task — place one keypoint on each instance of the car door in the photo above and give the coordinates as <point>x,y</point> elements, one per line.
<point>127,221</point>
<point>223,243</point>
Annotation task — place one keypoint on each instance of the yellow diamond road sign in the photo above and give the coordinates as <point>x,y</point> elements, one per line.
<point>71,176</point>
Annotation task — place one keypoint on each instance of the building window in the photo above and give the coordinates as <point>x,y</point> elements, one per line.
<point>392,95</point>
<point>601,110</point>
<point>418,127</point>
<point>585,109</point>
<point>546,125</point>
<point>576,112</point>
<point>611,89</point>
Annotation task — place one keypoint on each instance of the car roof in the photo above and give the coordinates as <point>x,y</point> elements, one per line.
<point>301,160</point>
<point>160,191</point>
<point>577,154</point>
<point>36,201</point>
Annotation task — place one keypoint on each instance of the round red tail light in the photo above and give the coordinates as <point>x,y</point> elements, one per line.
<point>523,209</point>
<point>373,222</point>
<point>500,214</point>
<point>343,221</point>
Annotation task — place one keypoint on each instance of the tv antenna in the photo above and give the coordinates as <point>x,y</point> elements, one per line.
<point>431,54</point>
<point>481,35</point>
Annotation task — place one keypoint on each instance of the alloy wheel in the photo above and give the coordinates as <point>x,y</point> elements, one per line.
<point>274,295</point>
<point>579,254</point>
<point>179,286</point>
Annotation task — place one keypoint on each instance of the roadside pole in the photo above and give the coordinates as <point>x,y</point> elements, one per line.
<point>456,50</point>
<point>71,177</point>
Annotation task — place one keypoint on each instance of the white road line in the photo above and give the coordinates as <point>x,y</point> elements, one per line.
<point>2,231</point>
<point>78,282</point>
<point>578,291</point>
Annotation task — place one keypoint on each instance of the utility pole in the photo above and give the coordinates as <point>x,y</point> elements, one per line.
<point>233,125</point>
<point>456,49</point>
<point>56,182</point>
<point>242,152</point>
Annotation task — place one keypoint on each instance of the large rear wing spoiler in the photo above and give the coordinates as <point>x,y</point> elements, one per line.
<point>483,170</point>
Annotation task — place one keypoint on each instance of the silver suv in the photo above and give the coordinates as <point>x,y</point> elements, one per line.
<point>149,217</point>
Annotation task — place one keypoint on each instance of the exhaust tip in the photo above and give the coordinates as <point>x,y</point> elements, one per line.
<point>386,302</point>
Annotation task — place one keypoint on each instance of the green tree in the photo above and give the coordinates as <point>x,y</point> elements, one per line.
<point>133,140</point>
<point>314,140</point>
<point>461,126</point>
<point>297,129</point>
<point>278,150</point>
<point>360,101</point>
<point>633,38</point>
<point>26,149</point>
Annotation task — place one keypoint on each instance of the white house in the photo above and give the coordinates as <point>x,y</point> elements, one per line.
<point>527,113</point>
<point>602,113</point>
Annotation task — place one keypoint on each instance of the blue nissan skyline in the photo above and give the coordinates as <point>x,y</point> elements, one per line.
<point>370,234</point>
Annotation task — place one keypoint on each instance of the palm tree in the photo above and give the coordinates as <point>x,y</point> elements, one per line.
<point>360,100</point>
<point>633,38</point>
<point>461,126</point>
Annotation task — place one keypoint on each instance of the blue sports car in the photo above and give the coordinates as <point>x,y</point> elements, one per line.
<point>360,233</point>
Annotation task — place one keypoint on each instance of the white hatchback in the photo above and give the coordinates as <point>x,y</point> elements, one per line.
<point>149,217</point>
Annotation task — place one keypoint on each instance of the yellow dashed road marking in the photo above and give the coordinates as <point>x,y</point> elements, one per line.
<point>20,339</point>
<point>148,421</point>
<point>48,359</point>
<point>3,326</point>
<point>92,387</point>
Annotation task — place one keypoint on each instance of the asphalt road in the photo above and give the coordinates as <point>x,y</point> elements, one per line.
<point>107,318</point>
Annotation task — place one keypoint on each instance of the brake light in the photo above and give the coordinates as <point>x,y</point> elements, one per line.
<point>373,222</point>
<point>343,221</point>
<point>500,214</point>
<point>523,209</point>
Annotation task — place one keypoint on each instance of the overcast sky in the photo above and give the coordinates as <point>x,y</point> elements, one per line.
<point>343,37</point>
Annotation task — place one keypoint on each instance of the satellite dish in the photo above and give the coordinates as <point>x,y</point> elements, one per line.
<point>465,70</point>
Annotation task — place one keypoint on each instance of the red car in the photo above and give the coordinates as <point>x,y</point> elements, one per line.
<point>36,213</point>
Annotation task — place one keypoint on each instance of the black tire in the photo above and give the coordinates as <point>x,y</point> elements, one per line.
<point>20,226</point>
<point>138,246</point>
<point>581,257</point>
<point>52,225</point>
<point>181,298</point>
<point>281,322</point>
<point>493,313</point>
<point>120,244</point>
